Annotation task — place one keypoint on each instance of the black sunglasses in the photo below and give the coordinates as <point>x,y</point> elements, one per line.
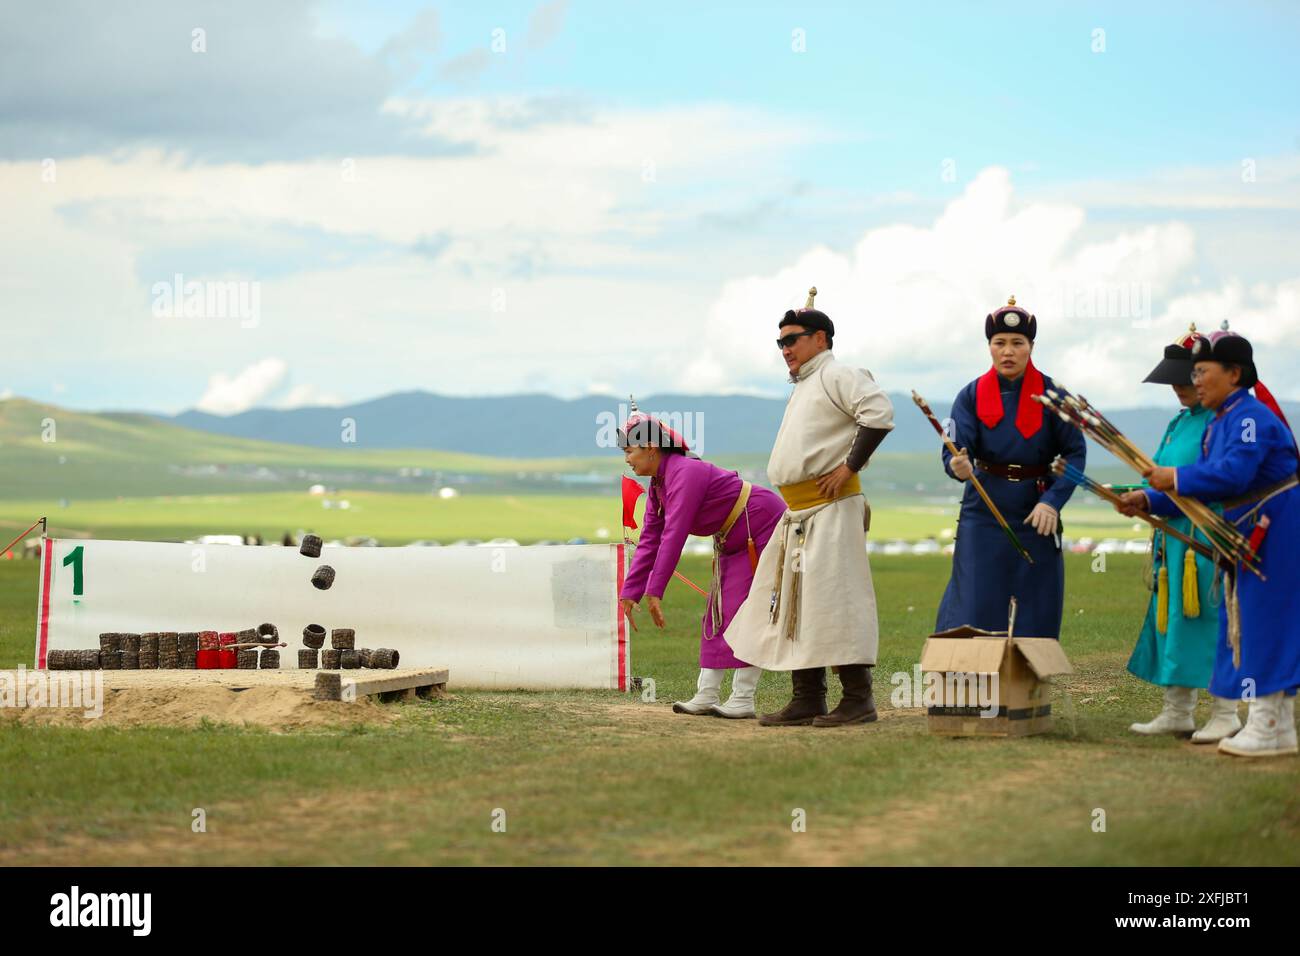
<point>785,341</point>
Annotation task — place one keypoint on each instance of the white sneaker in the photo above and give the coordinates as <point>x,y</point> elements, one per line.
<point>1264,734</point>
<point>1223,721</point>
<point>740,705</point>
<point>1176,717</point>
<point>706,693</point>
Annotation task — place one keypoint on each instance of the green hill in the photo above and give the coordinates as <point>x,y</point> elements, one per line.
<point>118,475</point>
<point>112,455</point>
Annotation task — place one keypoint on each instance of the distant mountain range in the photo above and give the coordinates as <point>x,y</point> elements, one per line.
<point>533,426</point>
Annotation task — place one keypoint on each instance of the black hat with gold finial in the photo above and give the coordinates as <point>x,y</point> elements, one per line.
<point>1229,348</point>
<point>809,317</point>
<point>1176,367</point>
<point>1010,318</point>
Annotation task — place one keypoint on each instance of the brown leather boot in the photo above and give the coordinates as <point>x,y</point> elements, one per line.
<point>808,702</point>
<point>858,705</point>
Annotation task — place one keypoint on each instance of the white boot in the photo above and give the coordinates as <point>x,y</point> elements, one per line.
<point>740,704</point>
<point>1288,723</point>
<point>1264,734</point>
<point>1223,721</point>
<point>706,692</point>
<point>1176,717</point>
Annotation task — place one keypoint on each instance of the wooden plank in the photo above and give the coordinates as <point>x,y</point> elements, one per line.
<point>328,683</point>
<point>331,685</point>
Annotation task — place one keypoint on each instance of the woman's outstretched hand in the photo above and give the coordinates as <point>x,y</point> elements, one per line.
<point>656,611</point>
<point>628,606</point>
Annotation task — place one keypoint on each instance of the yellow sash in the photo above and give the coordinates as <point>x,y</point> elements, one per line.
<point>806,494</point>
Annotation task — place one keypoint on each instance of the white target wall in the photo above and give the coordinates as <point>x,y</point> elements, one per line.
<point>515,617</point>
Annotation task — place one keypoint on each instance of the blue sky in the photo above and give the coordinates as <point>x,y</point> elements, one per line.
<point>995,83</point>
<point>629,193</point>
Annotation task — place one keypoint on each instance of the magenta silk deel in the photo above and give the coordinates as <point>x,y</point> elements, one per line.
<point>690,496</point>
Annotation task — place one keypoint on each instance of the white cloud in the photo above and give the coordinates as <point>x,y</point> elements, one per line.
<point>305,395</point>
<point>566,240</point>
<point>909,302</point>
<point>1263,183</point>
<point>229,395</point>
<point>573,248</point>
<point>6,394</point>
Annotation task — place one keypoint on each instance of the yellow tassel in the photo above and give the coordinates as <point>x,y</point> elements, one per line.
<point>1191,586</point>
<point>1234,617</point>
<point>1162,600</point>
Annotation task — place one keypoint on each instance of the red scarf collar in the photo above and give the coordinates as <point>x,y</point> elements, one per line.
<point>988,400</point>
<point>1265,396</point>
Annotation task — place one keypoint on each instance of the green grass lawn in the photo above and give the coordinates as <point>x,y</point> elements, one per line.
<point>606,778</point>
<point>397,518</point>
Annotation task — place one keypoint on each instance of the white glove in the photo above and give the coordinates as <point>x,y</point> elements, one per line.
<point>1044,519</point>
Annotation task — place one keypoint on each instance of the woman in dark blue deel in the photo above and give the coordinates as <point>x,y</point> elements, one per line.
<point>1005,436</point>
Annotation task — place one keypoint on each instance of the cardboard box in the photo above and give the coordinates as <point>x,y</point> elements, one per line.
<point>986,684</point>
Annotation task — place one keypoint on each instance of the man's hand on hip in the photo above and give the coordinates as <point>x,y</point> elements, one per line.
<point>831,483</point>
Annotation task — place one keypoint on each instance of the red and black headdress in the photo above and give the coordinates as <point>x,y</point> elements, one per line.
<point>1232,349</point>
<point>643,429</point>
<point>988,391</point>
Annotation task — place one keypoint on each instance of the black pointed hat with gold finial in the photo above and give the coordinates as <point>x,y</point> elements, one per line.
<point>810,318</point>
<point>1010,318</point>
<point>1176,367</point>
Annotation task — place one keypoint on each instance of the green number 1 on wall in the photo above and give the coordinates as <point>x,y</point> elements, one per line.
<point>78,579</point>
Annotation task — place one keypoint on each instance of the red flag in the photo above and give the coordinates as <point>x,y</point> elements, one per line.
<point>632,490</point>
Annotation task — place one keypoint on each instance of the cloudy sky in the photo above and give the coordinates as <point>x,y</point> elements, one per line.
<point>566,197</point>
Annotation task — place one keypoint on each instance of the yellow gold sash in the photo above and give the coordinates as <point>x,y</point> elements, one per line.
<point>806,494</point>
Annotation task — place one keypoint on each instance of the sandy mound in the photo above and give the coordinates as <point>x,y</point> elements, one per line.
<point>276,708</point>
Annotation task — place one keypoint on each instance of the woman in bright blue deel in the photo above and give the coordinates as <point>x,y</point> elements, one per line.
<point>1248,464</point>
<point>1176,647</point>
<point>1005,435</point>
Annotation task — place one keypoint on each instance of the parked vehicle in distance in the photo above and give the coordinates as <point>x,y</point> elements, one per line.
<point>218,539</point>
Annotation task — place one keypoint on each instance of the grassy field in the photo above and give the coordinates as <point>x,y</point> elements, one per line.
<point>607,778</point>
<point>133,476</point>
<point>399,518</point>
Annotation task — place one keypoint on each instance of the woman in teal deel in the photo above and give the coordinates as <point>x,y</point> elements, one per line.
<point>1177,644</point>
